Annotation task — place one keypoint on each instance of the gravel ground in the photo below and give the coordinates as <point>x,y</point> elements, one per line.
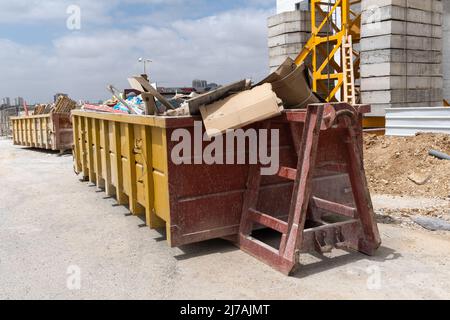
<point>54,227</point>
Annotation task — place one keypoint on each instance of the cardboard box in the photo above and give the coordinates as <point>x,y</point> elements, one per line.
<point>241,109</point>
<point>291,84</point>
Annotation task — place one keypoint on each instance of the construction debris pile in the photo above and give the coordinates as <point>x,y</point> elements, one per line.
<point>231,106</point>
<point>403,166</point>
<point>62,105</point>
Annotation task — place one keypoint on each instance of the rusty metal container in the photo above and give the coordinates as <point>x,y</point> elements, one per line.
<point>51,131</point>
<point>129,156</point>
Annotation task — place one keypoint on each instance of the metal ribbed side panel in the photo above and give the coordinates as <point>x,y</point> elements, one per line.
<point>409,121</point>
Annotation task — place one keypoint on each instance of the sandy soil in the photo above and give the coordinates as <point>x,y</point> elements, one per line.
<point>401,165</point>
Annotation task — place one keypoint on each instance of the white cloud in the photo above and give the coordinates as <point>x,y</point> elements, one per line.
<point>221,48</point>
<point>49,11</point>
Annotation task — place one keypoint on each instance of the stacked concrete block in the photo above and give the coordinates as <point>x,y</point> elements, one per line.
<point>446,49</point>
<point>288,34</point>
<point>401,53</point>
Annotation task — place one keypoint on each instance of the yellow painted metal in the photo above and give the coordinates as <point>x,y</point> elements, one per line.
<point>374,122</point>
<point>328,76</point>
<point>127,156</point>
<point>48,131</point>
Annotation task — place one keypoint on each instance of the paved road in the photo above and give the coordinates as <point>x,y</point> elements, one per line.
<point>54,227</point>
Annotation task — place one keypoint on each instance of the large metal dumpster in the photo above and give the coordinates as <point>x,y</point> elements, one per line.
<point>129,156</point>
<point>51,131</point>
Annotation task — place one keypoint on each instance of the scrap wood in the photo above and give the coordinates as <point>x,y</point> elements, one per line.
<point>142,85</point>
<point>64,105</point>
<point>215,95</point>
<point>39,109</point>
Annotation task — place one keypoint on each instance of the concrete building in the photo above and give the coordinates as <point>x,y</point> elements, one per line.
<point>405,49</point>
<point>446,49</point>
<point>199,85</point>
<point>6,101</point>
<point>18,101</point>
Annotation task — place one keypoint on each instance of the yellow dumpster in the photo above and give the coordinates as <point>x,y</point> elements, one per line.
<point>129,156</point>
<point>51,131</point>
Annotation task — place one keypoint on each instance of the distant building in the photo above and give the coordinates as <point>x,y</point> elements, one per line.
<point>200,85</point>
<point>56,96</point>
<point>6,101</point>
<point>170,92</point>
<point>212,86</point>
<point>18,101</point>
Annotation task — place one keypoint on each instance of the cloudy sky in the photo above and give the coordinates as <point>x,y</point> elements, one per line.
<point>216,40</point>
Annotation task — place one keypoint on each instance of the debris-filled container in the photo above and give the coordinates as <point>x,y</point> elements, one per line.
<point>52,131</point>
<point>264,156</point>
<point>132,158</point>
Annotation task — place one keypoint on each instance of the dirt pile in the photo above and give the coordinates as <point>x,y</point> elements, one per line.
<point>402,166</point>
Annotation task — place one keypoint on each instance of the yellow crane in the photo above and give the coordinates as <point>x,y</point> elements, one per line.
<point>335,27</point>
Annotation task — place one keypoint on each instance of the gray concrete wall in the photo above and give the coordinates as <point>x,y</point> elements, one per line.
<point>446,49</point>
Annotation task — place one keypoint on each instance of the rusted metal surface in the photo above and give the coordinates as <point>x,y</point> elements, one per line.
<point>50,131</point>
<point>330,205</point>
<point>130,157</point>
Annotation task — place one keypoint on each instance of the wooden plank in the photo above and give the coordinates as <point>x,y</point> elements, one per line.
<point>215,95</point>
